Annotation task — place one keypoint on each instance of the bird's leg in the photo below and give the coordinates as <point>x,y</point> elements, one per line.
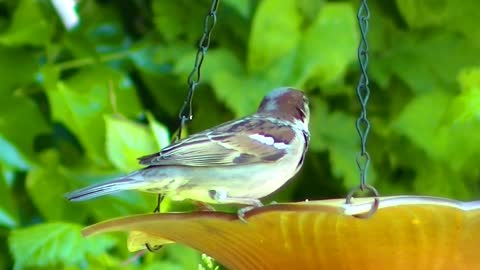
<point>156,210</point>
<point>204,206</point>
<point>222,197</point>
<point>159,201</point>
<point>242,211</point>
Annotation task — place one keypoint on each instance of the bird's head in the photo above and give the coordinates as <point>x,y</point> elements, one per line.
<point>288,104</point>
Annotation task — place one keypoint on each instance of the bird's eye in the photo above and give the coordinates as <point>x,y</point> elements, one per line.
<point>301,112</point>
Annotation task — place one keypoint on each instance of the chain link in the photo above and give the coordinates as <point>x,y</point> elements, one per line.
<point>209,23</point>
<point>193,80</point>
<point>363,94</point>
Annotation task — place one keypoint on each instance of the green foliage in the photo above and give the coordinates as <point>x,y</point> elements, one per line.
<point>55,244</point>
<point>78,107</point>
<point>209,263</point>
<point>273,21</point>
<point>8,215</point>
<point>324,54</point>
<point>17,137</point>
<point>338,136</point>
<point>28,26</point>
<point>121,147</point>
<point>467,105</point>
<point>46,184</point>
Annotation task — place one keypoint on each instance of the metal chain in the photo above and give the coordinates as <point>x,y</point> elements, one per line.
<point>210,21</point>
<point>193,80</point>
<point>363,94</point>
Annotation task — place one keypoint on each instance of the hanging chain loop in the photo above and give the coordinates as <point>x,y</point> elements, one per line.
<point>209,23</point>
<point>193,80</point>
<point>363,94</point>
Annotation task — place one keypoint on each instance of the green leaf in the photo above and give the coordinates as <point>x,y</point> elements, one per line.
<point>187,257</point>
<point>8,211</point>
<point>337,134</point>
<point>111,88</point>
<point>380,40</point>
<point>465,17</point>
<point>46,187</point>
<point>126,141</point>
<point>5,260</point>
<point>187,22</point>
<point>434,180</point>
<point>425,13</point>
<point>13,77</point>
<point>158,59</point>
<point>425,121</point>
<point>310,9</point>
<point>243,7</point>
<point>424,113</point>
<point>17,136</point>
<point>426,53</point>
<point>160,132</point>
<point>80,112</point>
<point>469,79</point>
<point>280,73</point>
<point>275,32</point>
<point>242,95</point>
<point>422,13</point>
<point>164,265</point>
<point>466,106</point>
<point>49,76</point>
<point>29,26</point>
<point>101,30</point>
<point>81,102</point>
<point>218,61</point>
<point>53,244</point>
<point>324,54</point>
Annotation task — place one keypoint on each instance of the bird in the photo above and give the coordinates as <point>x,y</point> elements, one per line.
<point>237,162</point>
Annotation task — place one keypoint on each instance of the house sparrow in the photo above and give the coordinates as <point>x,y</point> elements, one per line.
<point>236,162</point>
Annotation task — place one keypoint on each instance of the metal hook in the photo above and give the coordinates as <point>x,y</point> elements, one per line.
<point>375,203</point>
<point>153,249</point>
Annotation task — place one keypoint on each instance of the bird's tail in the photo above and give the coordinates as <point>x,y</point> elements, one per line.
<point>132,181</point>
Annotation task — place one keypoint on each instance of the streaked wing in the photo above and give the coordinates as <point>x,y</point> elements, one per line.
<point>229,144</point>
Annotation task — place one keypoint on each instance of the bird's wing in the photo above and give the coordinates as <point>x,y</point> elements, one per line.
<point>240,142</point>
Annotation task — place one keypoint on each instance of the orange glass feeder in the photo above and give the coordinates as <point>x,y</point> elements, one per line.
<point>405,233</point>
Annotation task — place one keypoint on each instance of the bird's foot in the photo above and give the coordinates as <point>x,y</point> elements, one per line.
<point>204,207</point>
<point>222,197</point>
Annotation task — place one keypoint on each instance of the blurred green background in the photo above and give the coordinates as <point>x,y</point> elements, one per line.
<point>80,106</point>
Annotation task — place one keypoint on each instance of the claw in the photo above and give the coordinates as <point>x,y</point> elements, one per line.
<point>222,196</point>
<point>242,211</point>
